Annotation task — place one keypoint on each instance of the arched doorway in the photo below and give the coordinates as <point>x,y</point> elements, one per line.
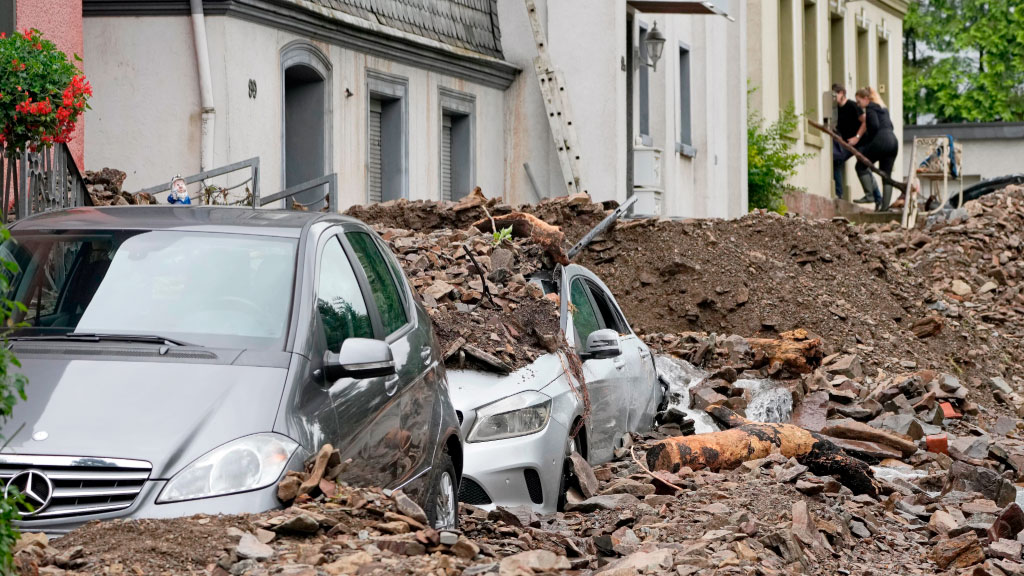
<point>307,120</point>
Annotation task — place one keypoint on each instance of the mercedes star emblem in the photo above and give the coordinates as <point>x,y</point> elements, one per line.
<point>36,489</point>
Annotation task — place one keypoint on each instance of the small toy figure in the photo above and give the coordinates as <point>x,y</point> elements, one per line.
<point>179,194</point>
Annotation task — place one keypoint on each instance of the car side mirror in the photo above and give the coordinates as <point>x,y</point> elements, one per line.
<point>359,358</point>
<point>602,344</point>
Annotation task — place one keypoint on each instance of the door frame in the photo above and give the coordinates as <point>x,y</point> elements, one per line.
<point>304,53</point>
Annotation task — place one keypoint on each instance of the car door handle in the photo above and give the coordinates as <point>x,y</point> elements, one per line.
<point>425,354</point>
<point>391,385</point>
<point>619,363</point>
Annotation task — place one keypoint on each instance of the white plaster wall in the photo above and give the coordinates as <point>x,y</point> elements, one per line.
<point>587,41</point>
<point>145,109</point>
<point>147,105</point>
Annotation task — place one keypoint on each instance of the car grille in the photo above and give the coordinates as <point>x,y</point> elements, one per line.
<point>80,485</point>
<point>533,486</point>
<point>472,493</point>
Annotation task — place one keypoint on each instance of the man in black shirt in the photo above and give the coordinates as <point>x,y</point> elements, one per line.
<point>850,125</point>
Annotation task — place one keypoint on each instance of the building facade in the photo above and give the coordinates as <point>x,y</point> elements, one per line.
<point>406,100</point>
<point>798,48</point>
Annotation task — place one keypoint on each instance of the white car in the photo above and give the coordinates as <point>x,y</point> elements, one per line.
<point>518,427</point>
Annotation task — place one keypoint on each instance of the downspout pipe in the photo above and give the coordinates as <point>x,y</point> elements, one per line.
<point>206,109</point>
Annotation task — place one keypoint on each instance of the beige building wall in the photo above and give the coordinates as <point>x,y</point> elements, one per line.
<point>856,43</point>
<point>147,106</point>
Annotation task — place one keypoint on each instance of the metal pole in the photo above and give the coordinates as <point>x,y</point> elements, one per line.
<point>602,226</point>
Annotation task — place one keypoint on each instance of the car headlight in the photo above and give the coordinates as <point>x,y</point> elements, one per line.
<point>245,464</point>
<point>518,415</point>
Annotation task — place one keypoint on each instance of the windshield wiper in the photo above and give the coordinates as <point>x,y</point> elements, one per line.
<point>87,337</point>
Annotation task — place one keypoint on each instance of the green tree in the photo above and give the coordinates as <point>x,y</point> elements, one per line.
<point>771,159</point>
<point>964,60</point>
<point>12,388</point>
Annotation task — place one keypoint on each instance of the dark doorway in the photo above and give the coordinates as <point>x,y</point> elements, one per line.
<point>8,11</point>
<point>305,120</point>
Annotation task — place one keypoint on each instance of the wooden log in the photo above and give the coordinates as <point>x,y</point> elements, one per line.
<point>529,226</point>
<point>901,186</point>
<point>746,440</point>
<point>853,430</point>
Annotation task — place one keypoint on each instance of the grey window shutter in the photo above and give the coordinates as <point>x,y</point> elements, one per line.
<point>374,176</point>
<point>446,158</point>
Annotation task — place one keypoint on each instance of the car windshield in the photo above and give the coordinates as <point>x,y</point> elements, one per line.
<point>221,290</point>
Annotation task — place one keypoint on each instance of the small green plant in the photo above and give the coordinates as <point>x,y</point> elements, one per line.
<point>12,389</point>
<point>501,235</point>
<point>771,160</point>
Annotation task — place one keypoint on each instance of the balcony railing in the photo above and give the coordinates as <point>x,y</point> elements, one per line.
<point>39,182</point>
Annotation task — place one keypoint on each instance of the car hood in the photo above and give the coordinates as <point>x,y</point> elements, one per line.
<point>471,389</point>
<point>165,413</point>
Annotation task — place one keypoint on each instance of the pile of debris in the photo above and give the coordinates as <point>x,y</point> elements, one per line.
<point>769,516</point>
<point>104,189</point>
<point>972,269</point>
<point>574,215</point>
<point>476,289</point>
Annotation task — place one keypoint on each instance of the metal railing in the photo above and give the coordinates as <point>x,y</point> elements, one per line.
<point>219,195</point>
<point>39,182</point>
<point>330,180</point>
<point>252,164</point>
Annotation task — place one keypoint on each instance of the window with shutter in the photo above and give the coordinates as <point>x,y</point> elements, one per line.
<point>446,157</point>
<point>374,175</point>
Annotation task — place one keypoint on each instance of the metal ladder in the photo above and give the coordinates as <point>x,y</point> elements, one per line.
<point>556,104</point>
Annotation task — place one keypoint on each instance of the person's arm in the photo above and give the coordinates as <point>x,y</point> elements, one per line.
<point>860,131</point>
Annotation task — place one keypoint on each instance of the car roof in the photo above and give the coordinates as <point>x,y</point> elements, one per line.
<point>226,219</point>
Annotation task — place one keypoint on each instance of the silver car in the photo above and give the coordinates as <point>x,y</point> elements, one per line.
<point>519,428</point>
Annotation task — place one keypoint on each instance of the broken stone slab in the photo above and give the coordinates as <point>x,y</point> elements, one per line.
<point>811,413</point>
<point>408,507</point>
<point>629,486</point>
<point>965,477</point>
<point>532,561</point>
<point>249,547</point>
<point>1008,524</point>
<point>970,447</point>
<point>942,522</point>
<point>647,560</point>
<point>1006,549</point>
<point>997,383</point>
<point>848,365</point>
<point>959,552</point>
<point>603,502</point>
<point>904,424</point>
<point>584,475</point>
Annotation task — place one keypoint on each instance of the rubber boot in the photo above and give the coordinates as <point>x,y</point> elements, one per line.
<point>886,197</point>
<point>871,194</point>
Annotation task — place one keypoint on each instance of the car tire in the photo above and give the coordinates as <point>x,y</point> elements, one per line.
<point>575,445</point>
<point>443,495</point>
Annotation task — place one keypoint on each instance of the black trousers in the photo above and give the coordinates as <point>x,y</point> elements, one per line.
<point>883,149</point>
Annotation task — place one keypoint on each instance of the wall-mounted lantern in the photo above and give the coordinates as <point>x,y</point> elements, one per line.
<point>655,44</point>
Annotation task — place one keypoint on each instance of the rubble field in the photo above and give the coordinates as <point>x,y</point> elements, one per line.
<point>901,348</point>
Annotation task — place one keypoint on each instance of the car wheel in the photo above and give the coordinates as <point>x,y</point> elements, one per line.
<point>573,445</point>
<point>443,496</point>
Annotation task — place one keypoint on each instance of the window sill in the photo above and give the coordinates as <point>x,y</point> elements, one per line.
<point>686,150</point>
<point>812,139</point>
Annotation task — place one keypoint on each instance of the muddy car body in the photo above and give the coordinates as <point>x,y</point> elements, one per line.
<point>182,360</point>
<point>519,428</point>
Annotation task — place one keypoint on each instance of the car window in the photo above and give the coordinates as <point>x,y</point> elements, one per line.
<point>339,300</point>
<point>608,310</point>
<point>584,317</point>
<point>210,289</point>
<point>385,292</point>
